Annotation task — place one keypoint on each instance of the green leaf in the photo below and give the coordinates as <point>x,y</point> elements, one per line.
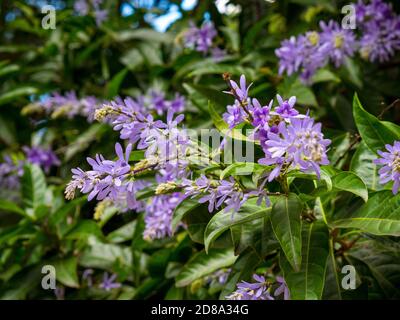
<point>350,182</point>
<point>115,83</point>
<point>232,37</point>
<point>182,209</point>
<point>33,186</point>
<point>222,221</point>
<point>203,264</point>
<point>257,234</point>
<point>373,132</point>
<point>286,223</point>
<point>392,126</point>
<point>85,139</point>
<point>324,176</point>
<point>362,164</point>
<point>201,94</point>
<point>85,229</point>
<point>308,282</point>
<point>293,87</point>
<point>9,206</point>
<point>16,93</point>
<point>61,213</point>
<point>324,75</point>
<point>122,234</point>
<point>145,34</point>
<point>105,256</point>
<point>7,131</point>
<point>242,169</point>
<point>353,72</point>
<point>384,266</point>
<point>11,68</point>
<point>66,272</point>
<point>22,284</point>
<point>380,215</point>
<point>332,288</point>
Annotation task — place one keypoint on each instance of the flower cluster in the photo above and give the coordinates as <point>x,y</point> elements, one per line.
<point>106,178</point>
<point>10,173</point>
<point>309,52</point>
<point>289,139</point>
<point>84,7</point>
<point>390,161</point>
<point>42,157</point>
<point>116,180</point>
<point>259,290</point>
<point>162,139</point>
<point>159,215</point>
<point>156,100</point>
<point>216,193</point>
<point>68,105</point>
<point>219,276</point>
<point>380,28</point>
<point>379,39</point>
<point>202,40</point>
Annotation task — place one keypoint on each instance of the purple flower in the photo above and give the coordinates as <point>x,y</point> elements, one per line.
<point>81,7</point>
<point>252,291</point>
<point>380,30</point>
<point>240,91</point>
<point>158,216</point>
<point>341,43</point>
<point>261,115</point>
<point>177,105</point>
<point>200,39</point>
<point>59,292</point>
<point>100,16</point>
<point>157,101</point>
<point>305,54</point>
<point>314,53</point>
<point>216,193</point>
<point>391,165</point>
<point>234,115</point>
<point>379,40</point>
<point>286,108</point>
<point>87,275</point>
<point>290,56</point>
<point>108,282</point>
<point>69,105</point>
<point>219,276</point>
<point>218,54</point>
<point>379,43</point>
<point>44,158</point>
<point>299,144</point>
<point>10,173</point>
<point>105,179</point>
<point>282,289</point>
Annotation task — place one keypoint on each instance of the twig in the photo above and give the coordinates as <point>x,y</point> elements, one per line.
<point>227,77</point>
<point>356,140</point>
<point>392,105</point>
